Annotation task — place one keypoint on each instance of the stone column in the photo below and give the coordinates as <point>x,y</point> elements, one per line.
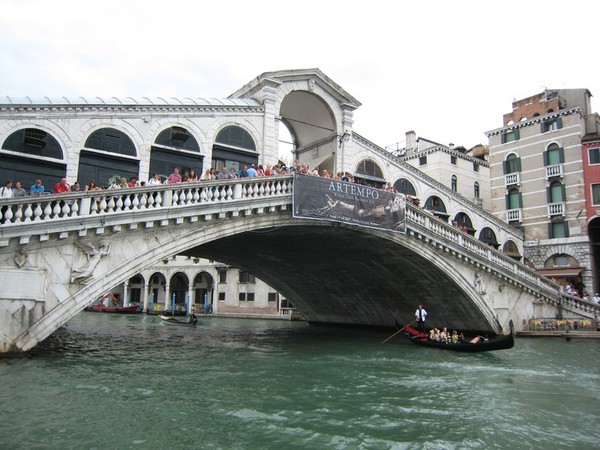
<point>167,296</point>
<point>126,293</point>
<point>145,290</point>
<point>189,298</point>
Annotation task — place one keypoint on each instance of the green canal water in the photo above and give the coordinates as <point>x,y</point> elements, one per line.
<point>130,382</point>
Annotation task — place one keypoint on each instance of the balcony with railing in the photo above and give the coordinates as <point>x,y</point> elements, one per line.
<point>514,215</point>
<point>556,209</point>
<point>554,171</point>
<point>512,178</point>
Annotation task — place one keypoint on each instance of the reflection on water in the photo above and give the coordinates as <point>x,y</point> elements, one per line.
<point>131,382</point>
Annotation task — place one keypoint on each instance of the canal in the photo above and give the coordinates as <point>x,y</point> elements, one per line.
<point>130,382</point>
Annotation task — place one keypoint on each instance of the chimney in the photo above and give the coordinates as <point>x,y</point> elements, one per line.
<point>411,141</point>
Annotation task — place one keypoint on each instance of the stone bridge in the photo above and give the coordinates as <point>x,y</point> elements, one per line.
<point>59,253</point>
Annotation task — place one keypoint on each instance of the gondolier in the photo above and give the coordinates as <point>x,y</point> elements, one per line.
<point>420,315</point>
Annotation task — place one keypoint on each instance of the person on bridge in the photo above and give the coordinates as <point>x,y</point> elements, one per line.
<point>61,187</point>
<point>420,315</point>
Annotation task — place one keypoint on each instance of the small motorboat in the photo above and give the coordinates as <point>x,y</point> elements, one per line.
<point>477,344</point>
<point>191,320</point>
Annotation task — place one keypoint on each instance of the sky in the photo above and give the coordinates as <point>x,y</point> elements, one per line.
<point>447,70</point>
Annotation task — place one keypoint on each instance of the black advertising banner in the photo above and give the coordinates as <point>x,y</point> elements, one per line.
<point>339,201</point>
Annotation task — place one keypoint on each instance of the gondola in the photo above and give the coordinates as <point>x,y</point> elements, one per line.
<point>483,345</point>
<point>191,320</point>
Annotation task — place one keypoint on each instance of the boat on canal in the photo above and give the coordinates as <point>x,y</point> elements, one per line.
<point>190,321</point>
<point>474,345</point>
<point>108,303</point>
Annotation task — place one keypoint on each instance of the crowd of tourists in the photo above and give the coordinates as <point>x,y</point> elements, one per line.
<point>179,175</point>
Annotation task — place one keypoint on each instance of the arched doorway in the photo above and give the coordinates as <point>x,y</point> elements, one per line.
<point>156,292</point>
<point>178,294</point>
<point>203,292</point>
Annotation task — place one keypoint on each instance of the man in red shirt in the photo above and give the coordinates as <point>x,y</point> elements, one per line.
<point>61,187</point>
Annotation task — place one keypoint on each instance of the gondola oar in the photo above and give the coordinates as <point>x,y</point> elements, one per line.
<point>397,332</point>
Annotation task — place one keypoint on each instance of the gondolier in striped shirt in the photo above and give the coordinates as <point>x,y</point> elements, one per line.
<point>420,315</point>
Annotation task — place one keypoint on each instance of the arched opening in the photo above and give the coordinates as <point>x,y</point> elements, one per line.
<point>488,236</point>
<point>594,234</point>
<point>312,129</point>
<point>564,269</point>
<point>369,173</point>
<point>203,293</point>
<point>156,292</point>
<point>136,286</point>
<point>234,148</point>
<point>179,298</point>
<point>175,147</point>
<point>34,154</point>
<point>107,152</point>
<point>511,249</point>
<point>463,221</point>
<point>435,205</point>
<point>404,186</point>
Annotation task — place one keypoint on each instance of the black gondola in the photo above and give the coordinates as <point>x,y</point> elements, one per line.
<point>482,345</point>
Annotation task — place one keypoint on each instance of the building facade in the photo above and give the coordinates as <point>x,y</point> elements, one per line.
<point>537,182</point>
<point>465,172</point>
<point>182,284</point>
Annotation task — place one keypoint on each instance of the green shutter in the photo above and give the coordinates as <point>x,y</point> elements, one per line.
<point>561,155</point>
<point>545,156</point>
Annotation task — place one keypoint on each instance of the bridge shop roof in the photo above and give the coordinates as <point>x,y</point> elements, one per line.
<point>140,101</point>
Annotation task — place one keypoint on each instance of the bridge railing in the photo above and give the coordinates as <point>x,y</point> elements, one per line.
<point>53,207</point>
<point>550,291</point>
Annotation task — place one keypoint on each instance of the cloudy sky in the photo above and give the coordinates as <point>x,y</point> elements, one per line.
<point>446,69</point>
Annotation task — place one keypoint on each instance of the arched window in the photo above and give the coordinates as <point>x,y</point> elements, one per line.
<point>476,192</point>
<point>513,199</point>
<point>554,155</point>
<point>512,164</point>
<point>556,192</point>
<point>454,183</point>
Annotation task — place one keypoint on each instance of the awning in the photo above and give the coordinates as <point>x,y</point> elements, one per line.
<point>565,272</point>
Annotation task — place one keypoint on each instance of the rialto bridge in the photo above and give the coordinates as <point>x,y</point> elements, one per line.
<point>57,254</point>
<point>60,252</point>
